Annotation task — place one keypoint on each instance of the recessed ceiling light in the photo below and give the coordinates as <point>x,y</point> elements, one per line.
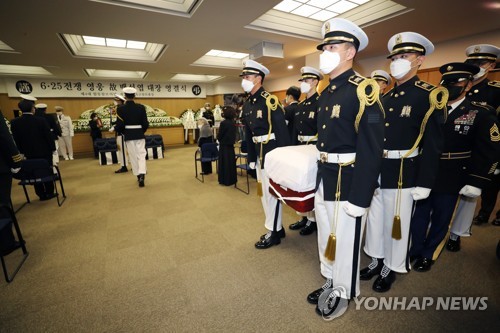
<point>226,54</point>
<point>290,67</point>
<point>104,73</point>
<point>342,6</point>
<point>313,8</point>
<point>194,77</point>
<point>24,70</point>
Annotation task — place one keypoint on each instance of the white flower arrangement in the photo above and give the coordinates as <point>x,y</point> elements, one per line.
<point>188,119</point>
<point>156,117</point>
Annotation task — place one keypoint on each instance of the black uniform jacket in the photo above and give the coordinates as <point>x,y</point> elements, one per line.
<point>305,119</point>
<point>486,93</point>
<point>290,111</point>
<point>51,120</point>
<point>405,108</point>
<point>9,154</point>
<point>33,137</point>
<point>255,117</point>
<point>132,114</point>
<point>338,108</point>
<point>471,148</point>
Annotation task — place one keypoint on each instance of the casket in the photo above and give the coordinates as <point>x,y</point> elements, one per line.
<point>292,175</point>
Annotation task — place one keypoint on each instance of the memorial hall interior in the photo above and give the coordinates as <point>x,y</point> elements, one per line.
<point>178,255</point>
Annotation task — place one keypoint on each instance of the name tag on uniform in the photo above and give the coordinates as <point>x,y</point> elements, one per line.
<point>259,114</point>
<point>335,111</point>
<point>406,111</point>
<point>311,115</point>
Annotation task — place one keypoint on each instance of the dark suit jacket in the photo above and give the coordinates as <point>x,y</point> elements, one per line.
<point>227,132</point>
<point>9,154</point>
<point>32,136</point>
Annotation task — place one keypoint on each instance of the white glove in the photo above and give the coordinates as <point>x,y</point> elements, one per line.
<point>353,210</point>
<point>470,191</point>
<point>497,172</point>
<point>15,170</point>
<point>376,192</point>
<point>112,129</point>
<point>251,165</point>
<point>419,193</point>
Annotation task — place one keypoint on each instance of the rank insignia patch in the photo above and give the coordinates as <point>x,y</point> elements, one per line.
<point>311,115</point>
<point>406,111</point>
<point>259,114</point>
<point>335,111</point>
<point>494,133</point>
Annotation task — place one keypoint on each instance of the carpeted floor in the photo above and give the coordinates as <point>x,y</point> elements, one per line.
<point>178,256</point>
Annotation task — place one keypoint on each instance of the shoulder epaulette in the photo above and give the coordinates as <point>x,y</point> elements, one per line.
<point>265,94</point>
<point>424,85</point>
<point>495,84</point>
<point>356,79</point>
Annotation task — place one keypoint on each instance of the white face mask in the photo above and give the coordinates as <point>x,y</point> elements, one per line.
<point>200,126</point>
<point>328,61</point>
<point>305,87</point>
<point>482,71</point>
<point>400,67</point>
<point>247,85</point>
<point>115,102</point>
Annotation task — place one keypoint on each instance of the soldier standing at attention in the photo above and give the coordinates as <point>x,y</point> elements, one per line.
<point>415,112</point>
<point>120,138</point>
<point>132,122</point>
<point>305,130</point>
<point>350,140</point>
<point>383,79</point>
<point>470,156</point>
<point>265,129</point>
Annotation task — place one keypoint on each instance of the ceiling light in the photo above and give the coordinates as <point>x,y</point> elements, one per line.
<point>89,40</point>
<point>290,67</point>
<point>103,73</point>
<point>194,77</point>
<point>305,10</point>
<point>342,6</point>
<point>287,5</point>
<point>323,15</point>
<point>321,3</point>
<point>116,42</point>
<point>23,70</point>
<point>136,45</point>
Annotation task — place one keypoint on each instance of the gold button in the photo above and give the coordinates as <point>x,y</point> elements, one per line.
<point>326,108</point>
<point>386,124</point>
<point>322,144</point>
<point>396,95</point>
<point>402,93</point>
<point>476,91</point>
<point>385,139</point>
<point>391,109</point>
<point>324,126</point>
<point>334,87</point>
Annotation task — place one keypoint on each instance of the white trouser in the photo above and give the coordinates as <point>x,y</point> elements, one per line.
<point>461,224</point>
<point>121,151</point>
<point>311,216</point>
<point>55,154</point>
<point>348,235</point>
<point>378,240</point>
<point>65,146</point>
<point>137,154</point>
<point>269,202</point>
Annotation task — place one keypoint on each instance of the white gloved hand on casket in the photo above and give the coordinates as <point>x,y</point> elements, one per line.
<point>251,165</point>
<point>353,210</point>
<point>419,193</point>
<point>470,191</point>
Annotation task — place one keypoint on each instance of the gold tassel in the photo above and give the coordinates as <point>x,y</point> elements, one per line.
<point>259,189</point>
<point>331,247</point>
<point>396,228</point>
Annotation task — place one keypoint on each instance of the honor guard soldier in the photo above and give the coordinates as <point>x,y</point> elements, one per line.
<point>383,79</point>
<point>120,138</point>
<point>67,133</point>
<point>350,140</point>
<point>485,92</point>
<point>34,140</point>
<point>305,131</point>
<point>265,129</point>
<point>10,162</point>
<point>55,129</point>
<point>132,122</point>
<point>415,112</point>
<point>469,159</point>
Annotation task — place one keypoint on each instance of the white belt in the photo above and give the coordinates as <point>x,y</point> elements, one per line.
<point>397,154</point>
<point>307,138</point>
<point>133,126</point>
<point>258,139</point>
<point>336,158</point>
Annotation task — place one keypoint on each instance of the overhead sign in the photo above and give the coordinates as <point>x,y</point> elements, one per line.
<point>102,89</point>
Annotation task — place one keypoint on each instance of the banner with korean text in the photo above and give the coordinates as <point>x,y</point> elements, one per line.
<point>40,88</point>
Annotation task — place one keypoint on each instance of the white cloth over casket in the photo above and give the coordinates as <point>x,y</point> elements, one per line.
<point>293,167</point>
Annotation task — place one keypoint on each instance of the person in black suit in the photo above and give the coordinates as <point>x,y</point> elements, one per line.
<point>10,162</point>
<point>34,139</point>
<point>95,125</point>
<point>226,138</point>
<point>206,136</point>
<point>292,105</point>
<point>132,121</point>
<point>55,127</point>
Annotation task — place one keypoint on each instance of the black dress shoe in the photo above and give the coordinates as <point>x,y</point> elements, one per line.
<point>383,284</point>
<point>299,224</point>
<point>314,296</point>
<point>309,228</point>
<point>423,264</point>
<point>453,245</point>
<point>121,170</point>
<point>281,233</point>
<point>479,219</point>
<point>367,273</point>
<point>496,222</point>
<point>271,238</point>
<point>141,180</point>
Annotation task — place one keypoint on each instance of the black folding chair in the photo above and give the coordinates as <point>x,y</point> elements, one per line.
<point>242,165</point>
<point>207,153</point>
<point>38,171</point>
<point>6,221</point>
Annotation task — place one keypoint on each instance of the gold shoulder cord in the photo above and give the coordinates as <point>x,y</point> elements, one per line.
<point>272,104</point>
<point>364,99</point>
<point>434,104</point>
